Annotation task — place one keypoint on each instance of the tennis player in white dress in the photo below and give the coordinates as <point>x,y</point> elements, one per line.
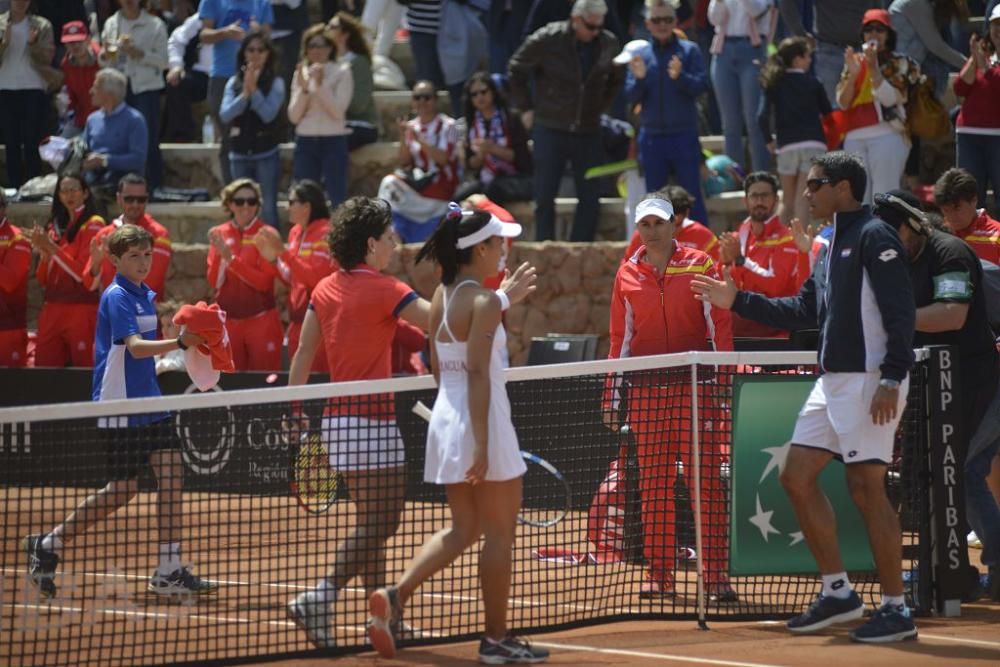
<point>471,444</point>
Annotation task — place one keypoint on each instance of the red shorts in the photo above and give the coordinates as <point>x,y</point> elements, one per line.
<point>13,348</point>
<point>66,334</point>
<point>257,341</point>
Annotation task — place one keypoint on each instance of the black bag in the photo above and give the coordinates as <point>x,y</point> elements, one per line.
<point>417,179</point>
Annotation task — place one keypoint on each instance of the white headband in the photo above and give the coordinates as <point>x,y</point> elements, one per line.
<point>661,208</point>
<point>495,227</point>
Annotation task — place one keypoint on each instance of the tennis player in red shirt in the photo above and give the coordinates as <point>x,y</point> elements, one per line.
<point>653,312</point>
<point>243,280</point>
<point>15,263</point>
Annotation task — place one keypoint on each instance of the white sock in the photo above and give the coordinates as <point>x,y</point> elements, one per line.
<point>896,601</point>
<point>52,543</point>
<point>837,586</point>
<point>170,557</point>
<point>325,591</point>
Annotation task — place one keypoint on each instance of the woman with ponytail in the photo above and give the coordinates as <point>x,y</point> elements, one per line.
<point>472,447</point>
<point>794,104</point>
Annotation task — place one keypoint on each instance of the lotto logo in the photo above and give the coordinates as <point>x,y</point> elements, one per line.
<point>888,255</point>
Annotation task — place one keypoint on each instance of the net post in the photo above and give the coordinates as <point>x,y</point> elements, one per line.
<point>696,495</point>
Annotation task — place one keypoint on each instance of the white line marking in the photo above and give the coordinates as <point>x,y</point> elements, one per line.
<point>653,656</point>
<point>159,614</point>
<point>959,640</point>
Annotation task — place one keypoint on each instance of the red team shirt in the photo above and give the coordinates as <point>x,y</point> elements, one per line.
<point>63,275</point>
<point>305,261</point>
<point>15,263</point>
<point>162,252</point>
<point>243,287</point>
<point>358,311</point>
<point>983,235</point>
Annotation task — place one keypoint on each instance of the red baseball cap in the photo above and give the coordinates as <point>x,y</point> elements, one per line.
<point>74,31</point>
<point>877,16</point>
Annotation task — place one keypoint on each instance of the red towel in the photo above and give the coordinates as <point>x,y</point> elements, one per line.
<point>209,322</point>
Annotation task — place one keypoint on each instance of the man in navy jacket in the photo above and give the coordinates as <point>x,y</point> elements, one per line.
<point>866,317</point>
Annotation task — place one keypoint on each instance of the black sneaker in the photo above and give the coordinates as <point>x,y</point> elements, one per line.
<point>180,582</point>
<point>888,624</point>
<point>825,611</point>
<point>42,565</point>
<point>721,592</point>
<point>510,651</point>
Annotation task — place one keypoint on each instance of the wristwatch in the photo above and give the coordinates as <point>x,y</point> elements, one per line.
<point>740,260</point>
<point>180,344</point>
<point>888,384</point>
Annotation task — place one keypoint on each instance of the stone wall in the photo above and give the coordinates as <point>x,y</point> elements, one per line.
<point>573,295</point>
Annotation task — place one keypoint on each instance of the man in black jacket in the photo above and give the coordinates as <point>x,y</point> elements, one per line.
<point>568,66</point>
<point>866,317</point>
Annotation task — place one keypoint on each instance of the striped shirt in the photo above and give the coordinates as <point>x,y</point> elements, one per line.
<point>424,16</point>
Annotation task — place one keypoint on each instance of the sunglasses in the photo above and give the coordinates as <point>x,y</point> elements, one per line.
<point>662,20</point>
<point>874,27</point>
<point>255,49</point>
<point>135,199</point>
<point>592,27</point>
<point>245,201</point>
<point>477,93</point>
<point>318,44</point>
<point>814,184</point>
<point>70,188</point>
<point>293,202</point>
<point>422,97</point>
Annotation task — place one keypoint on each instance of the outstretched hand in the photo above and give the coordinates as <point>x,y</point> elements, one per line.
<point>519,284</point>
<point>719,293</point>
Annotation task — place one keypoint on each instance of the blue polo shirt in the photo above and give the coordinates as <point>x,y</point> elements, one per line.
<point>125,309</point>
<point>121,135</point>
<point>225,13</point>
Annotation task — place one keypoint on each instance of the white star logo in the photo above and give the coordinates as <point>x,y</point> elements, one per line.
<point>762,520</point>
<point>778,456</point>
<point>796,538</point>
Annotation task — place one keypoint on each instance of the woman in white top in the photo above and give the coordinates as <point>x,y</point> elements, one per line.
<point>321,93</point>
<point>471,445</point>
<point>26,51</point>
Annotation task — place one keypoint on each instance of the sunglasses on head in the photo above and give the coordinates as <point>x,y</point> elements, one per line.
<point>422,97</point>
<point>245,201</point>
<point>662,20</point>
<point>592,27</point>
<point>135,199</point>
<point>814,184</point>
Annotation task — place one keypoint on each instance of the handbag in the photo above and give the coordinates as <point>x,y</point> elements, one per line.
<point>926,117</point>
<point>416,178</point>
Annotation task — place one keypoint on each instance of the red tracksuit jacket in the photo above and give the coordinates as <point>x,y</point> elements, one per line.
<point>15,264</point>
<point>245,286</point>
<point>162,252</point>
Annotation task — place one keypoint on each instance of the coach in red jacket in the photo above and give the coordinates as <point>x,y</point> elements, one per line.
<point>653,312</point>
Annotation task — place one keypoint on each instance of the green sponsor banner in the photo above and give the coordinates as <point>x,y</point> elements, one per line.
<point>764,534</point>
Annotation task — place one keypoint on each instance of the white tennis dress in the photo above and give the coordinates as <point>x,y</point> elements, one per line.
<point>450,438</point>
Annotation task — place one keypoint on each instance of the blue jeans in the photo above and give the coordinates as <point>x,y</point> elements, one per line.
<point>678,154</point>
<point>981,506</point>
<point>552,149</point>
<point>266,170</point>
<point>735,79</point>
<point>324,160</point>
<point>980,154</point>
<point>828,63</point>
<point>427,66</point>
<point>148,104</point>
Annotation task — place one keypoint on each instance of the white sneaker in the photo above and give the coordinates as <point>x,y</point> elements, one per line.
<point>974,541</point>
<point>313,616</point>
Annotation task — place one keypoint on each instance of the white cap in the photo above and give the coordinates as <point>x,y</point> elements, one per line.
<point>632,48</point>
<point>995,14</point>
<point>495,227</point>
<point>661,208</point>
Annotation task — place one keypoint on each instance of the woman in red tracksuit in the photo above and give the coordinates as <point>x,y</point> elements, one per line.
<point>243,280</point>
<point>653,311</point>
<point>69,314</point>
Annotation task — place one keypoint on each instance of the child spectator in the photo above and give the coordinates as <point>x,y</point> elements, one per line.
<point>79,66</point>
<point>15,263</point>
<point>253,98</point>
<point>352,48</point>
<point>321,93</point>
<point>793,104</point>
<point>69,312</point>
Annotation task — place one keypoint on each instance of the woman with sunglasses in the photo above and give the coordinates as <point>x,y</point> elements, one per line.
<point>69,313</point>
<point>496,145</point>
<point>250,106</point>
<point>420,190</point>
<point>872,92</point>
<point>362,119</point>
<point>243,280</point>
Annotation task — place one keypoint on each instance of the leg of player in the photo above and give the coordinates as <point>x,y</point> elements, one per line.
<point>837,603</point>
<point>44,550</point>
<point>172,576</point>
<point>892,621</point>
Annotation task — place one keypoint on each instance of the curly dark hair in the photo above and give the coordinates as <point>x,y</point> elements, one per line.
<point>354,222</point>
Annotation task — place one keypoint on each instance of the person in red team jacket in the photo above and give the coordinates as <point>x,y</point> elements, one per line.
<point>133,193</point>
<point>653,312</point>
<point>243,280</point>
<point>689,233</point>
<point>15,263</point>
<point>69,313</point>
<point>955,193</point>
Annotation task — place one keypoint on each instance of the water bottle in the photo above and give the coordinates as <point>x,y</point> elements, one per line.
<point>208,130</point>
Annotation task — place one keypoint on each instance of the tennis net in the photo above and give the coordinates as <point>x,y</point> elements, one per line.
<point>626,454</point>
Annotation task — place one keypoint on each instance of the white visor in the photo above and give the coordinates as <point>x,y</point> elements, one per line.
<point>661,208</point>
<point>495,227</point>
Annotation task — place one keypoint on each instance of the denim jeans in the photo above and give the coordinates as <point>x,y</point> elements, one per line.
<point>148,104</point>
<point>735,79</point>
<point>678,154</point>
<point>427,66</point>
<point>980,154</point>
<point>266,170</point>
<point>981,506</point>
<point>828,63</point>
<point>324,160</point>
<point>552,149</point>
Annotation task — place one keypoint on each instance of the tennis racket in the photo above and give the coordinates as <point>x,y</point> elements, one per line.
<point>547,495</point>
<point>314,483</point>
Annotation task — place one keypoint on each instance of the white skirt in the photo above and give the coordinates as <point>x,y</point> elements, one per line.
<point>359,443</point>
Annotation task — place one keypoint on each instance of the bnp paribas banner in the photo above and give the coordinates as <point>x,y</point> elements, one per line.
<point>765,536</point>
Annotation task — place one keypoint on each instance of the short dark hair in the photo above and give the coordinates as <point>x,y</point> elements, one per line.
<point>955,185</point>
<point>678,196</point>
<point>126,237</point>
<point>131,179</point>
<point>354,222</point>
<point>311,193</point>
<point>761,177</point>
<point>843,166</point>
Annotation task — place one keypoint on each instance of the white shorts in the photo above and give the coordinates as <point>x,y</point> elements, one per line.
<point>837,418</point>
<point>797,160</point>
<point>358,443</point>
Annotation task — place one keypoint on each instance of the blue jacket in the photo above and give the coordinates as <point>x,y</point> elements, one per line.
<point>668,106</point>
<point>865,311</point>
